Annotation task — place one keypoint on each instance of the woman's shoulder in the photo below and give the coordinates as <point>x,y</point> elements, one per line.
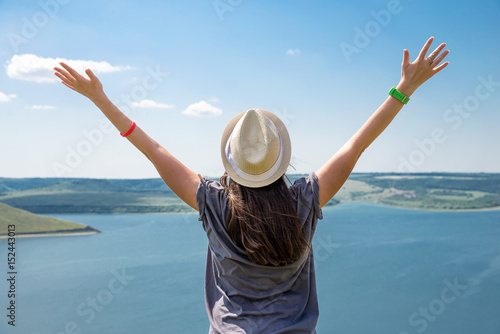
<point>305,191</point>
<point>306,183</point>
<point>209,183</point>
<point>210,193</point>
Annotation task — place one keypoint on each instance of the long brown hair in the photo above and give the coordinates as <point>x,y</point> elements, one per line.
<point>263,221</point>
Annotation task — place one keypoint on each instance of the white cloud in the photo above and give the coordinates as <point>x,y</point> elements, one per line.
<point>292,52</point>
<point>6,98</point>
<point>202,108</point>
<point>151,104</point>
<point>40,107</point>
<point>30,67</point>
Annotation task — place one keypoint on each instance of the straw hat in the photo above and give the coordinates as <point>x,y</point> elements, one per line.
<point>255,148</point>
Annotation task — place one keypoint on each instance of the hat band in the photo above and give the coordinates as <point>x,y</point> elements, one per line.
<point>254,177</point>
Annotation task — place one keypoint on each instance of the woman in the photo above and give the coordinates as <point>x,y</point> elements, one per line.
<point>260,269</point>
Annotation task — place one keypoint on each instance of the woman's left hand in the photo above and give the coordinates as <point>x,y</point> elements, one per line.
<point>422,69</point>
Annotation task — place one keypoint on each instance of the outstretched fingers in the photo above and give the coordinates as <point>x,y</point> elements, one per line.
<point>440,67</point>
<point>441,56</point>
<point>69,86</point>
<point>425,49</point>
<point>437,51</point>
<point>64,76</point>
<point>70,70</point>
<point>64,73</point>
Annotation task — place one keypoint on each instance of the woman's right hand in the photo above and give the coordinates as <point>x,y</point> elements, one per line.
<point>422,69</point>
<point>91,88</point>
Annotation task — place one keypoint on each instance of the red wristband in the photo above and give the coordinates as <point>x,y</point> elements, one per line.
<point>132,127</point>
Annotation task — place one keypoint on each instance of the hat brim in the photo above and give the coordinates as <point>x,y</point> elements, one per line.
<point>287,151</point>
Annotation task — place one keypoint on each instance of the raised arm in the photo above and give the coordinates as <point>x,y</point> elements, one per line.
<point>335,172</point>
<point>180,179</point>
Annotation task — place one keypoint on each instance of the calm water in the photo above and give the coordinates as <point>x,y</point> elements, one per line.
<point>379,270</point>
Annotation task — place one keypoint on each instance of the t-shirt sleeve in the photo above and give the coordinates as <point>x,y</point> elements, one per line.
<point>306,191</point>
<point>211,196</point>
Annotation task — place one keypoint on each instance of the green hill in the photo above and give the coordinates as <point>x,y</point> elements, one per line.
<point>29,223</point>
<point>47,196</point>
<point>429,191</point>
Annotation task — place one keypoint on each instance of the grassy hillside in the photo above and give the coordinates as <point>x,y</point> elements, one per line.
<point>91,196</point>
<point>27,223</point>
<point>430,191</point>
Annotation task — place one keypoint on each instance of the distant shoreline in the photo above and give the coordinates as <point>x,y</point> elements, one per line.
<point>326,207</point>
<point>441,210</point>
<point>496,208</point>
<point>35,235</point>
<point>465,210</point>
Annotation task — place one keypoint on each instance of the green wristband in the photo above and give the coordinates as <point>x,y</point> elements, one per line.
<point>398,95</point>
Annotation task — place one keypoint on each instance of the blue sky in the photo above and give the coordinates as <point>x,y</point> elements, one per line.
<point>183,69</point>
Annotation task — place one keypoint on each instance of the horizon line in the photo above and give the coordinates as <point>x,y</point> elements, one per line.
<point>211,176</point>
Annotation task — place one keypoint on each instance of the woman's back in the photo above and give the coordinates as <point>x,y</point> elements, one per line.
<point>247,297</point>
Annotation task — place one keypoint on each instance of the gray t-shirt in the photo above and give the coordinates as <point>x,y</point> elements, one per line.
<point>245,297</point>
